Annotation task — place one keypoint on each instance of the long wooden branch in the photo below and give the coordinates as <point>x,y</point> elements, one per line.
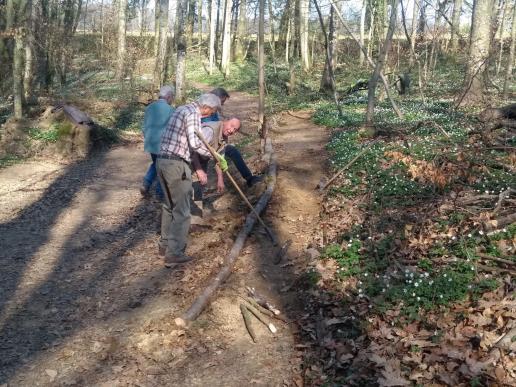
<point>204,298</point>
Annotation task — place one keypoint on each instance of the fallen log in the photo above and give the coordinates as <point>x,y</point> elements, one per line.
<point>500,222</point>
<point>496,259</point>
<point>204,298</point>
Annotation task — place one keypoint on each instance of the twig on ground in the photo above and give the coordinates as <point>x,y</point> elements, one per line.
<point>496,269</point>
<point>296,116</point>
<point>247,321</point>
<point>496,259</point>
<point>345,167</point>
<point>265,311</point>
<point>500,222</point>
<point>261,300</point>
<point>503,195</point>
<point>260,317</point>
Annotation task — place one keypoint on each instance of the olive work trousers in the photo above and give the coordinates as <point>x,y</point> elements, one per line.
<point>175,177</point>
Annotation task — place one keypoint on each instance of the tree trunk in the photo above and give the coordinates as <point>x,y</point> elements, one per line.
<point>157,19</point>
<point>101,28</point>
<point>261,70</point>
<point>474,82</point>
<point>226,39</point>
<point>510,59</point>
<point>199,25</point>
<point>190,22</point>
<point>328,45</point>
<point>421,25</point>
<point>273,35</point>
<point>500,37</point>
<point>379,64</point>
<point>362,30</point>
<point>413,33</point>
<point>18,73</point>
<point>369,60</point>
<point>181,52</point>
<point>143,6</point>
<point>303,34</point>
<point>327,81</point>
<point>159,69</point>
<point>121,50</point>
<point>28,76</point>
<point>213,22</point>
<point>241,31</point>
<point>455,27</point>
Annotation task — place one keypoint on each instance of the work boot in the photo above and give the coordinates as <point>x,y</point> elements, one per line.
<point>253,180</point>
<point>162,250</point>
<point>173,260</point>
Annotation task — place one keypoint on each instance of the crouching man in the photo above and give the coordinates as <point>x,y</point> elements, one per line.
<point>217,133</point>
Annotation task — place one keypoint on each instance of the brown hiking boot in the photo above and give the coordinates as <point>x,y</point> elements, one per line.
<point>173,260</point>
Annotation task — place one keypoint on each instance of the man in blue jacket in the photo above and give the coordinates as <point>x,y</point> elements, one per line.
<point>157,115</point>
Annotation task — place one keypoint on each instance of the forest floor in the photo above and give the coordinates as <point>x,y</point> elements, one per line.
<point>85,299</point>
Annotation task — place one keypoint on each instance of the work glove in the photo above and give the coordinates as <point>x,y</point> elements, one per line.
<point>223,164</point>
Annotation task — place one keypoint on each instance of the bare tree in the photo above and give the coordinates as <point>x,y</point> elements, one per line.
<point>455,26</point>
<point>159,70</point>
<point>500,36</point>
<point>369,60</point>
<point>121,51</point>
<point>241,31</point>
<point>303,33</point>
<point>261,70</point>
<point>474,81</point>
<point>510,60</point>
<point>226,39</point>
<point>363,12</point>
<point>181,51</point>
<point>213,22</point>
<point>28,75</point>
<point>373,82</point>
<point>18,55</point>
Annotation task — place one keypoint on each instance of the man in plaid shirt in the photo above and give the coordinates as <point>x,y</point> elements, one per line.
<point>175,174</point>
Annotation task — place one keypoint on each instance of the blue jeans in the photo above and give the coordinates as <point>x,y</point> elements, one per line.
<point>234,155</point>
<point>152,175</point>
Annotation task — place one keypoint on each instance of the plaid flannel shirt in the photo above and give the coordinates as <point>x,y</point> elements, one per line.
<point>179,138</point>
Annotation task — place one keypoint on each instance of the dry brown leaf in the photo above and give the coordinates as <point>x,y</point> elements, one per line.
<point>391,375</point>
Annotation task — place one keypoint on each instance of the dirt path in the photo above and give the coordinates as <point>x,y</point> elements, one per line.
<point>84,299</point>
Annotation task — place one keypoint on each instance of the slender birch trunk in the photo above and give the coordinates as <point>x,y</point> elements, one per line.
<point>500,37</point>
<point>379,64</point>
<point>303,34</point>
<point>455,27</point>
<point>510,59</point>
<point>159,70</point>
<point>261,70</point>
<point>18,73</point>
<point>241,31</point>
<point>181,52</point>
<point>213,22</point>
<point>226,39</point>
<point>121,51</point>
<point>363,12</point>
